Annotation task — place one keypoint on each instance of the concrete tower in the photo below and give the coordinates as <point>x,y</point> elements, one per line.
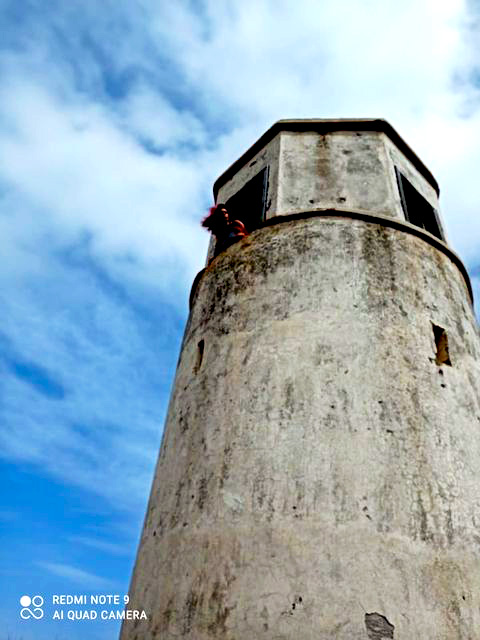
<point>319,477</point>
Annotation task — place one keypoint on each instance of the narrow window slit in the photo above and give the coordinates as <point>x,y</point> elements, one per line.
<point>198,363</point>
<point>441,344</point>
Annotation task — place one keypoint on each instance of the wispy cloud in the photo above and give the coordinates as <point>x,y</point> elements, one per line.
<point>112,356</point>
<point>8,516</point>
<point>101,545</point>
<point>77,576</point>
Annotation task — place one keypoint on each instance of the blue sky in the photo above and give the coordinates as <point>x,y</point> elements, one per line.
<point>115,119</point>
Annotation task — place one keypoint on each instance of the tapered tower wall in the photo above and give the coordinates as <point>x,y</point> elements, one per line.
<point>319,473</point>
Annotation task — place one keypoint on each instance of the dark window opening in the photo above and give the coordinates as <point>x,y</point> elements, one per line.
<point>250,203</point>
<point>441,343</point>
<point>416,208</point>
<point>199,359</point>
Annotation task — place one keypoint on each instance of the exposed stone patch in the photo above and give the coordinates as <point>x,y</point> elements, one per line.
<point>378,627</point>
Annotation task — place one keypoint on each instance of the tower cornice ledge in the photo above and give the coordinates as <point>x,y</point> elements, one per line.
<point>366,216</point>
<point>327,126</point>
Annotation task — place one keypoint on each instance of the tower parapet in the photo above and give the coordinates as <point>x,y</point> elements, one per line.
<point>360,165</point>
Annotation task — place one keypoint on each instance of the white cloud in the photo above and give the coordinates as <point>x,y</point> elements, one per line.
<point>101,429</point>
<point>149,116</point>
<point>77,576</point>
<point>101,545</point>
<point>76,165</point>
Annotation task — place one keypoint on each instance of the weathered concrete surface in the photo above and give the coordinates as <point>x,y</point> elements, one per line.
<point>319,476</point>
<point>344,170</point>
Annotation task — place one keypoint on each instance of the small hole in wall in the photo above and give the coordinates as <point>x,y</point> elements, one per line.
<point>441,343</point>
<point>200,350</point>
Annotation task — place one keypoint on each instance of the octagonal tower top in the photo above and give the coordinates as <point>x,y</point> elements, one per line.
<point>358,165</point>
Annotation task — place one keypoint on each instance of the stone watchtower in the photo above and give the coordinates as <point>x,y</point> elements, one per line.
<point>319,477</point>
